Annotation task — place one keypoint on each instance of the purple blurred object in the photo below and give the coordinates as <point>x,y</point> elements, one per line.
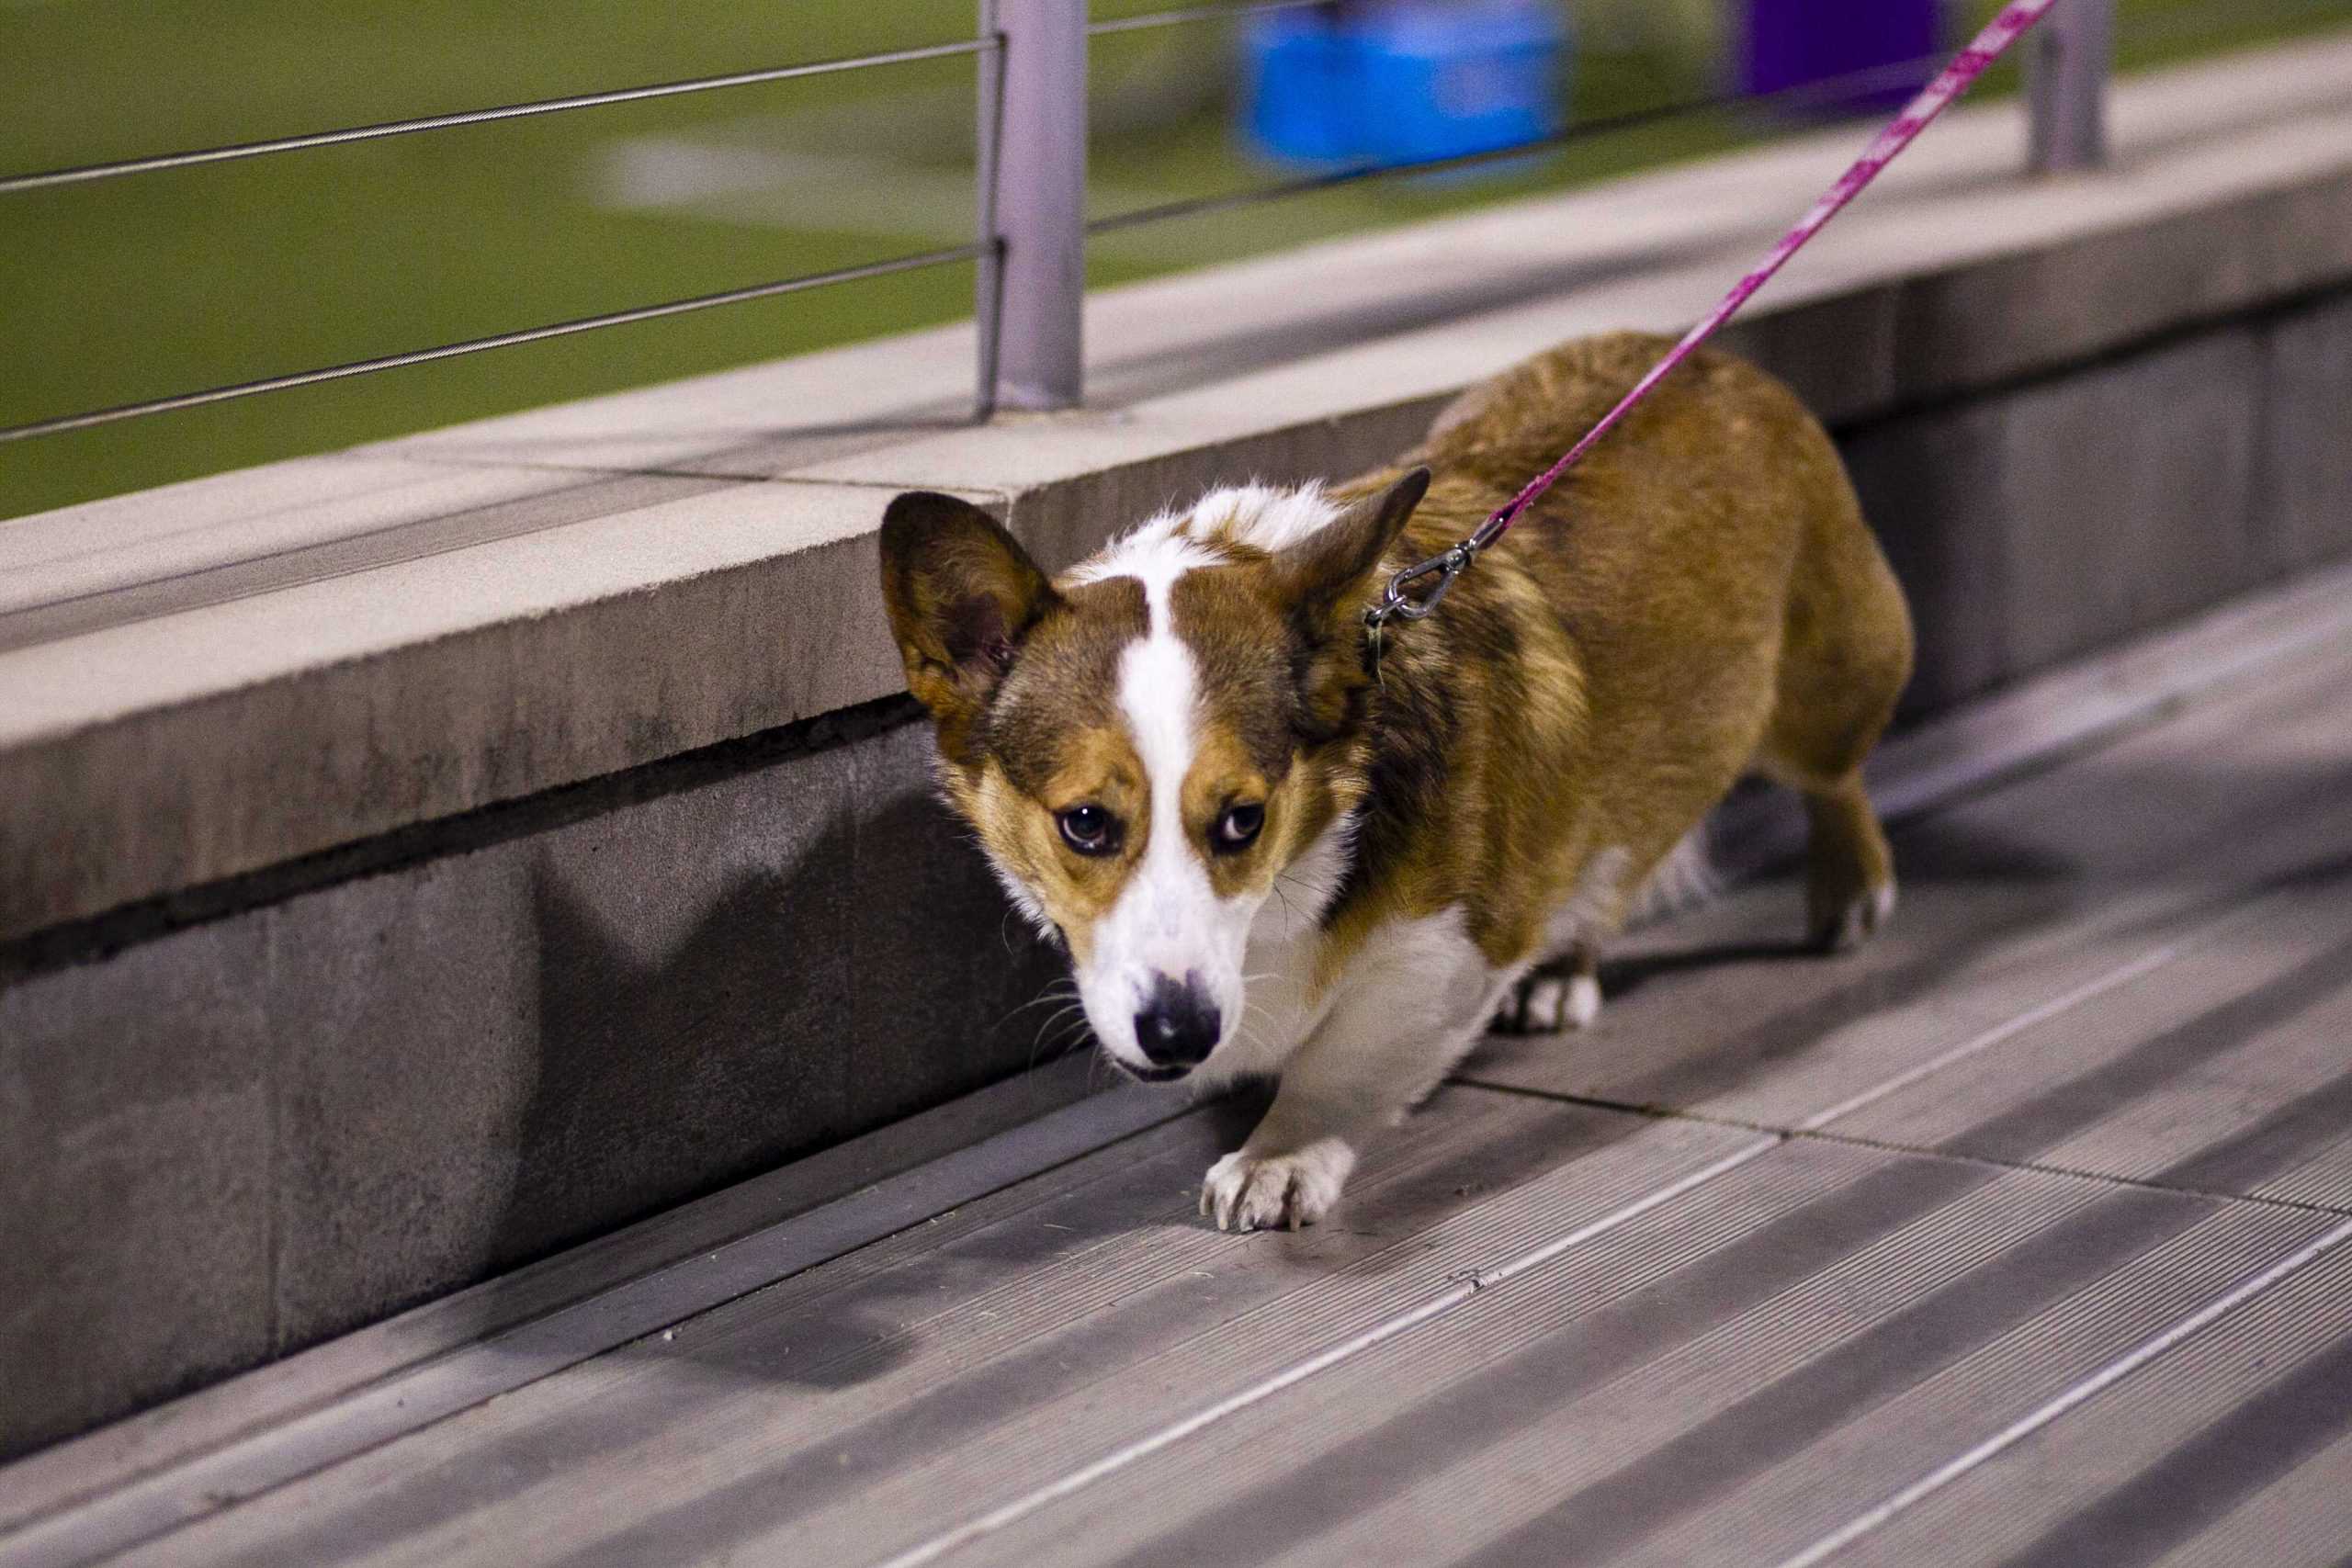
<point>1794,43</point>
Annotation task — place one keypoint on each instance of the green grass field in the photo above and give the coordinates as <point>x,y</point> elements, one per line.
<point>165,282</point>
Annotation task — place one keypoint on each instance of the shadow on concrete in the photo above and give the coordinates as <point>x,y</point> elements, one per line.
<point>659,1080</point>
<point>798,1009</point>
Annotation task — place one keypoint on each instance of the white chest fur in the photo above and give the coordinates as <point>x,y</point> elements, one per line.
<point>1402,1001</point>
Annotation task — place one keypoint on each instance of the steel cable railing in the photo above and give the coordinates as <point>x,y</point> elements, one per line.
<point>1030,182</point>
<point>86,173</point>
<point>985,43</point>
<point>496,340</point>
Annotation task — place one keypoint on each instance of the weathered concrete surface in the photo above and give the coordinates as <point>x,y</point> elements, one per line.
<point>135,1171</point>
<point>2071,512</point>
<point>210,679</point>
<point>2303,472</point>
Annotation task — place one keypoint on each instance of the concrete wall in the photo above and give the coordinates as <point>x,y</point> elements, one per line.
<point>2042,519</point>
<point>628,923</point>
<point>230,1141</point>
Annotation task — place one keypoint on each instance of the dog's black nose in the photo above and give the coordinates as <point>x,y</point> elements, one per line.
<point>1178,1025</point>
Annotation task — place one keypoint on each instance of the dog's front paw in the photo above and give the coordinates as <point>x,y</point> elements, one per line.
<point>1247,1192</point>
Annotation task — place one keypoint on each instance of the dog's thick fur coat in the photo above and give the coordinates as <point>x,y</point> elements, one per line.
<point>1305,871</point>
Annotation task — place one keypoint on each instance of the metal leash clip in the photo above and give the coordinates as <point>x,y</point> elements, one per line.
<point>1397,602</point>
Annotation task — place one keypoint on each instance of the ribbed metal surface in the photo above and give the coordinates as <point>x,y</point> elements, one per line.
<point>2171,1456</point>
<point>2227,1071</point>
<point>1619,1434</point>
<point>2304,1519</point>
<point>1012,1339</point>
<point>1949,1408</point>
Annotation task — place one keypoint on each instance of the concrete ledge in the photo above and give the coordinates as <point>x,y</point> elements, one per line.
<point>205,680</point>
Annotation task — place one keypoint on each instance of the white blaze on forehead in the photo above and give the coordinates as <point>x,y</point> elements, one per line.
<point>1168,918</point>
<point>1263,515</point>
<point>1158,693</point>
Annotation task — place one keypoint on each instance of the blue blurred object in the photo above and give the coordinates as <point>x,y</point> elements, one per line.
<point>1403,81</point>
<point>1794,43</point>
<point>1298,86</point>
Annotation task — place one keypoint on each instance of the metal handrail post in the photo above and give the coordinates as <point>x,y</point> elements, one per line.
<point>2066,75</point>
<point>987,276</point>
<point>1040,203</point>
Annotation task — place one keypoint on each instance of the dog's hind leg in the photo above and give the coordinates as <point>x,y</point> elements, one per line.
<point>1844,660</point>
<point>1560,995</point>
<point>1849,870</point>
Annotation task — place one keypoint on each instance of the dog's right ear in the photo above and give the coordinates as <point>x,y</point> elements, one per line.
<point>962,595</point>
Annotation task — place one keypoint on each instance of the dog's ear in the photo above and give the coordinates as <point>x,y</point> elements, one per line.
<point>962,595</point>
<point>1327,579</point>
<point>1329,569</point>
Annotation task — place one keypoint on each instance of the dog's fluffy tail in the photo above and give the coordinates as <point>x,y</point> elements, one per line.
<point>1685,879</point>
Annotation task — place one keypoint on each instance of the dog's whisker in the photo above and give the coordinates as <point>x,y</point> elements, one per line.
<point>1059,1022</point>
<point>1044,998</point>
<point>1048,1024</point>
<point>1050,994</point>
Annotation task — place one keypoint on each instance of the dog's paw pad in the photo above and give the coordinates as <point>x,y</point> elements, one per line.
<point>1864,916</point>
<point>1246,1192</point>
<point>1547,1004</point>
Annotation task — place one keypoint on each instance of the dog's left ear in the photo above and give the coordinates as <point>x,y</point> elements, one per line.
<point>1331,567</point>
<point>962,595</point>
<point>1328,578</point>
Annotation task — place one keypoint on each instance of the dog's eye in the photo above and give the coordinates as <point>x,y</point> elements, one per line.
<point>1090,829</point>
<point>1237,828</point>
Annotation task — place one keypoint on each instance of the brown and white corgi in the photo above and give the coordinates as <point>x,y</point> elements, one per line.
<point>1266,860</point>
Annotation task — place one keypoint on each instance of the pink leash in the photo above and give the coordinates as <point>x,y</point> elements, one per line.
<point>1956,78</point>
